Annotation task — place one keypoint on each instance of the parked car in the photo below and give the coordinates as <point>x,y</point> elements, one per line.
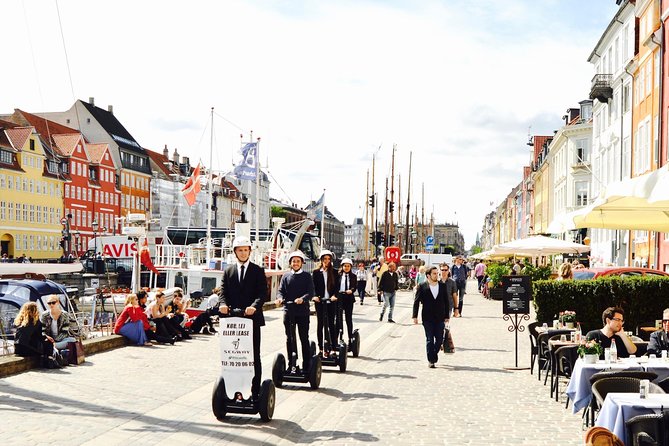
<point>621,271</point>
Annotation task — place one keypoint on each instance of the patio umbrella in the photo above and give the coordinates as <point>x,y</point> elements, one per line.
<point>639,203</point>
<point>538,245</point>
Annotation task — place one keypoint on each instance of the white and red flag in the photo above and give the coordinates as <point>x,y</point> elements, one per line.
<point>145,256</point>
<point>192,187</point>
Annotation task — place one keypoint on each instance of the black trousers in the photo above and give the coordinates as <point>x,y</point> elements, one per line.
<point>164,328</point>
<point>320,323</point>
<point>362,284</point>
<point>257,366</point>
<point>302,323</point>
<point>201,320</point>
<point>345,311</point>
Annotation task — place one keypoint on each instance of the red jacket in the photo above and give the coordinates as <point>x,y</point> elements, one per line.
<point>131,314</point>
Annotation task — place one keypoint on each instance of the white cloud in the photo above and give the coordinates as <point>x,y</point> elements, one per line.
<point>323,84</point>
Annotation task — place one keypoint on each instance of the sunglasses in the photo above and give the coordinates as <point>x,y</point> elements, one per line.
<point>52,303</point>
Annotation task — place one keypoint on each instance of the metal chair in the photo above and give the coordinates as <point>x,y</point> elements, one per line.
<point>565,357</point>
<point>664,384</point>
<point>647,430</point>
<point>616,381</point>
<point>534,347</point>
<point>544,358</point>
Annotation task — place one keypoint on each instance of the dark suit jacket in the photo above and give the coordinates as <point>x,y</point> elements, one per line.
<point>352,282</point>
<point>319,284</point>
<point>658,342</point>
<point>434,309</point>
<point>252,292</point>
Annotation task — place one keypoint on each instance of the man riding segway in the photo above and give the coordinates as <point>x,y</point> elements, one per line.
<point>244,291</point>
<point>347,286</point>
<point>295,291</point>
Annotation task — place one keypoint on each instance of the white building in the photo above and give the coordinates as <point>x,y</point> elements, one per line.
<point>569,161</point>
<point>248,189</point>
<point>612,125</point>
<point>354,240</point>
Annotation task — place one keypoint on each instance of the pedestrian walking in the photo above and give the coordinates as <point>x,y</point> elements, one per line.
<point>459,274</point>
<point>451,288</point>
<point>347,286</point>
<point>361,278</point>
<point>245,287</point>
<point>325,289</point>
<point>388,285</point>
<point>379,270</point>
<point>479,272</point>
<point>296,289</point>
<point>436,308</point>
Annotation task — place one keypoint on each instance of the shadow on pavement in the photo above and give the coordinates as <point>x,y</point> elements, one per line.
<point>293,432</point>
<point>355,396</point>
<point>378,375</point>
<point>369,358</point>
<point>466,368</point>
<point>465,349</point>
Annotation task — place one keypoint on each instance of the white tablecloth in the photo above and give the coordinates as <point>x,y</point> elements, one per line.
<point>579,389</point>
<point>620,407</point>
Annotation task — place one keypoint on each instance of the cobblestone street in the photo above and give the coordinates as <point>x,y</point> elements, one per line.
<point>162,394</point>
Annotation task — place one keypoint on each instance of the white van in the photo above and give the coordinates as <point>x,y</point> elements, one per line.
<point>426,258</point>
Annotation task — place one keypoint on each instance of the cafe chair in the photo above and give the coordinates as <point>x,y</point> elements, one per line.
<point>664,384</point>
<point>534,346</point>
<point>544,358</point>
<point>601,436</point>
<point>565,357</point>
<point>621,381</point>
<point>647,430</point>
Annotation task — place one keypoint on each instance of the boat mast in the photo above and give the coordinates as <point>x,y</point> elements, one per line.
<point>406,233</point>
<point>257,188</point>
<point>210,185</point>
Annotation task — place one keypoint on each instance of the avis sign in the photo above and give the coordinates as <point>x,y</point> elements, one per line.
<point>392,254</point>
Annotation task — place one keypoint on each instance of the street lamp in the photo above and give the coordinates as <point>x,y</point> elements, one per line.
<point>95,226</point>
<point>77,234</point>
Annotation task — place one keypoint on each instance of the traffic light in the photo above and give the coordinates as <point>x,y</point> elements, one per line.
<point>391,240</point>
<point>382,238</point>
<point>371,200</point>
<point>372,238</point>
<point>391,206</point>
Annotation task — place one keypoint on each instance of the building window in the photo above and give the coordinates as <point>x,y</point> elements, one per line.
<point>32,144</point>
<point>5,157</point>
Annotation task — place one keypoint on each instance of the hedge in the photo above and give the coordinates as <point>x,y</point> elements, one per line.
<point>642,299</point>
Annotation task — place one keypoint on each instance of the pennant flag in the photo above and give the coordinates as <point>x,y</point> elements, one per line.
<point>192,187</point>
<point>246,168</point>
<point>145,256</point>
<point>316,211</point>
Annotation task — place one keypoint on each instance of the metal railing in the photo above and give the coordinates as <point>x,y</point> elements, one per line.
<point>601,81</point>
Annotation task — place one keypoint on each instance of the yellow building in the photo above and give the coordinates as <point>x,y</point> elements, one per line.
<point>31,203</point>
<point>645,114</point>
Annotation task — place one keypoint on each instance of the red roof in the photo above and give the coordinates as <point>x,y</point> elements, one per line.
<point>159,160</point>
<point>44,127</point>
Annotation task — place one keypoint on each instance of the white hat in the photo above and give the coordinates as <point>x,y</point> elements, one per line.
<point>240,241</point>
<point>297,253</point>
<point>327,252</point>
<point>347,260</point>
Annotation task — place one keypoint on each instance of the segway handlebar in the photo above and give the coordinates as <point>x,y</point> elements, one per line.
<point>234,312</point>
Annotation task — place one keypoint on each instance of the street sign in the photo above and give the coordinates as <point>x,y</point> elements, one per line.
<point>429,240</point>
<point>429,247</point>
<point>393,254</point>
<point>95,283</point>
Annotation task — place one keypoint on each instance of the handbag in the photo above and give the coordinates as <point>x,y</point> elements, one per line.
<point>76,352</point>
<point>448,345</point>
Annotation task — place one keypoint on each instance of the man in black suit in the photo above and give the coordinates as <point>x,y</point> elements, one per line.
<point>659,340</point>
<point>245,287</point>
<point>433,294</point>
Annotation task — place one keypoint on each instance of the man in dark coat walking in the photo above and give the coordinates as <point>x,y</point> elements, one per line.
<point>433,295</point>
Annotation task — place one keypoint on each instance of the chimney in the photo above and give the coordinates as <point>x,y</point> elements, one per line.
<point>175,156</point>
<point>110,109</point>
<point>91,100</point>
<point>166,153</point>
<point>185,160</point>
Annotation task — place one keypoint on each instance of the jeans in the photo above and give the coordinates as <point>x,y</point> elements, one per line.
<point>362,284</point>
<point>434,337</point>
<point>60,345</point>
<point>388,301</point>
<point>462,285</point>
<point>134,331</point>
<point>480,280</point>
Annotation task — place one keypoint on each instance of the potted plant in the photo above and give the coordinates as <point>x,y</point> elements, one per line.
<point>568,318</point>
<point>495,272</point>
<point>590,351</point>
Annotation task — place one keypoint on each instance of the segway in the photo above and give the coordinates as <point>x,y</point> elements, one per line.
<point>333,355</point>
<point>232,390</point>
<point>354,344</point>
<point>293,373</point>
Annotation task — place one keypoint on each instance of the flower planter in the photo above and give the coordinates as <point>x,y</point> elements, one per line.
<point>569,324</point>
<point>590,359</point>
<point>497,293</point>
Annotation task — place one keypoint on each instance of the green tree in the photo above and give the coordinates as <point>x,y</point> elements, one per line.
<point>278,211</point>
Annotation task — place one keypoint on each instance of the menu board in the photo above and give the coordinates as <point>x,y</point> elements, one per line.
<point>517,293</point>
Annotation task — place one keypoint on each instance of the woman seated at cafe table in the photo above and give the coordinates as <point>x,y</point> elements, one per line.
<point>613,319</point>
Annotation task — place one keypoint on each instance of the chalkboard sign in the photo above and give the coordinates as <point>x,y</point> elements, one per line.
<point>517,293</point>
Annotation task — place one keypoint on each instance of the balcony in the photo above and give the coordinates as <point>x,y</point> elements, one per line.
<point>601,88</point>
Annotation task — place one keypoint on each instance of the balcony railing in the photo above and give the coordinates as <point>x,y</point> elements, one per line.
<point>601,87</point>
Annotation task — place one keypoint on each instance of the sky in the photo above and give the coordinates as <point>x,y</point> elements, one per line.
<point>326,85</point>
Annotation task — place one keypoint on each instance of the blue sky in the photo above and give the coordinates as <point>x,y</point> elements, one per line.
<point>324,84</point>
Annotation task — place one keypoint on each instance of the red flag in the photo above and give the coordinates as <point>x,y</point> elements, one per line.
<point>145,256</point>
<point>192,186</point>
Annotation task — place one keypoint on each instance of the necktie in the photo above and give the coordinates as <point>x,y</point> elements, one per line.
<point>345,282</point>
<point>241,274</point>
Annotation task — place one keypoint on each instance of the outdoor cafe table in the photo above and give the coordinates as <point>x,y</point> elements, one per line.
<point>579,389</point>
<point>620,407</point>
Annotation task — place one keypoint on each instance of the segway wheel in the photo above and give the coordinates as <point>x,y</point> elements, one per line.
<point>342,357</point>
<point>315,372</point>
<point>355,347</point>
<point>278,369</point>
<point>218,399</point>
<point>267,400</point>
<point>312,348</point>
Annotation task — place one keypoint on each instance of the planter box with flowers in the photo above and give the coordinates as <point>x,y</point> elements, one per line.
<point>567,318</point>
<point>590,351</point>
